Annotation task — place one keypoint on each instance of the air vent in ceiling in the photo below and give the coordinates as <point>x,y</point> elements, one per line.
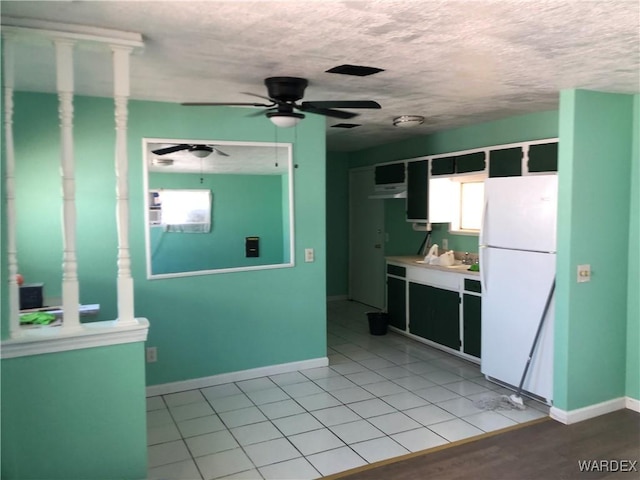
<point>356,70</point>
<point>346,125</point>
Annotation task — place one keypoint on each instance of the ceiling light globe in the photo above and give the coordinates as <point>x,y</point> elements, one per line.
<point>201,153</point>
<point>285,119</point>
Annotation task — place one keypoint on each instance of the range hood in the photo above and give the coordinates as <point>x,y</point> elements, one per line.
<point>382,192</point>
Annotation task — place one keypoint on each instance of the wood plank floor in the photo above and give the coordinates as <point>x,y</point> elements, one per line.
<point>547,450</point>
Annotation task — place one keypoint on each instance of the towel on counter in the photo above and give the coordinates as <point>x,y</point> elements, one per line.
<point>37,318</point>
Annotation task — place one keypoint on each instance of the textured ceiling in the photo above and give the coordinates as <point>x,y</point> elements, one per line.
<point>454,62</point>
<point>242,159</point>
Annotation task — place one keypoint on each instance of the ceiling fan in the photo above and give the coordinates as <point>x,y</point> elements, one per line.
<point>200,151</point>
<point>284,92</point>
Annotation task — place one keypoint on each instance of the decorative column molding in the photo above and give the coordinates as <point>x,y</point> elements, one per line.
<point>121,55</point>
<point>12,251</point>
<point>70,287</point>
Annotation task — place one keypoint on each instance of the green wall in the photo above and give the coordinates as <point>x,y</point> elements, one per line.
<point>242,206</point>
<point>75,415</point>
<point>633,313</point>
<point>593,228</point>
<point>201,325</point>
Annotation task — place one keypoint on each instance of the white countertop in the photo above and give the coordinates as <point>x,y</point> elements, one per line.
<point>412,261</point>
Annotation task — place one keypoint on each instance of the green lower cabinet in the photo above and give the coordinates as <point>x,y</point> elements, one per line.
<point>419,309</point>
<point>472,324</point>
<point>396,302</point>
<point>435,314</point>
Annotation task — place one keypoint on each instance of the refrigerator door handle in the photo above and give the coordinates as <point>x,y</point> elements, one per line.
<point>483,267</point>
<point>482,246</point>
<point>483,224</point>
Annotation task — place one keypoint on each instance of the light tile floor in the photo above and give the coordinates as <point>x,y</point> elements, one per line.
<point>380,397</point>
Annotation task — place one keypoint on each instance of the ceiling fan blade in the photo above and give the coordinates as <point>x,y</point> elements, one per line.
<point>261,96</point>
<point>257,114</point>
<point>327,112</point>
<point>225,104</point>
<point>219,152</point>
<point>175,148</point>
<point>343,104</point>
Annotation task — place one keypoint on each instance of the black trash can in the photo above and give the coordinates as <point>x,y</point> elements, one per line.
<point>378,322</point>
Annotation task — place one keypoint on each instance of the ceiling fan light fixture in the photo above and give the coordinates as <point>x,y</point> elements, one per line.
<point>201,152</point>
<point>285,119</point>
<point>408,121</point>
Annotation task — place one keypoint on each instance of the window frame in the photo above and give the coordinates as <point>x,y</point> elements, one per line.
<point>455,226</point>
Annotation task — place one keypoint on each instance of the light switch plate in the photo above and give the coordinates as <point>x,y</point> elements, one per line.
<point>584,273</point>
<point>309,255</point>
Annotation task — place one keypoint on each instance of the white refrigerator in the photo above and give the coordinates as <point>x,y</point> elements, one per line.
<point>517,270</point>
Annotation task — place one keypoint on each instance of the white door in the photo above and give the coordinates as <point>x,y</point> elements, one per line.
<point>515,287</point>
<point>520,213</point>
<point>366,240</point>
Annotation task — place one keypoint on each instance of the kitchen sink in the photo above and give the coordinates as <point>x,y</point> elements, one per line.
<point>459,267</point>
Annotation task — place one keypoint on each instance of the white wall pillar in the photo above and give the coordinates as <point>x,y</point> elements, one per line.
<point>70,288</point>
<point>12,251</point>
<point>121,57</point>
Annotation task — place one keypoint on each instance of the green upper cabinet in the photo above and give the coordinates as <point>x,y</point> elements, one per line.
<point>543,157</point>
<point>505,162</point>
<point>443,166</point>
<point>471,162</point>
<point>466,163</point>
<point>389,174</point>
<point>418,190</point>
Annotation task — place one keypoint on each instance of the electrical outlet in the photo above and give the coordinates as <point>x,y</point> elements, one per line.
<point>445,244</point>
<point>309,255</point>
<point>584,273</point>
<point>152,354</point>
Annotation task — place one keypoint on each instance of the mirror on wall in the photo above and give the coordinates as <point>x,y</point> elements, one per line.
<point>217,206</point>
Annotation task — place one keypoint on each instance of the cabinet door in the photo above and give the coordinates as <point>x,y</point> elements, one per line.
<point>417,190</point>
<point>472,313</point>
<point>443,166</point>
<point>396,302</point>
<point>388,174</point>
<point>420,305</point>
<point>543,157</point>
<point>444,326</point>
<point>434,314</point>
<point>506,162</point>
<point>471,162</point>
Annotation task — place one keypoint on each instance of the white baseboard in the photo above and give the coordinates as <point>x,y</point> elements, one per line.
<point>203,382</point>
<point>335,298</point>
<point>632,404</point>
<point>592,411</point>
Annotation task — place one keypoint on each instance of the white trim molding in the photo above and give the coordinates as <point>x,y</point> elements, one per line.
<point>585,413</point>
<point>37,341</point>
<point>203,382</point>
<point>632,404</point>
